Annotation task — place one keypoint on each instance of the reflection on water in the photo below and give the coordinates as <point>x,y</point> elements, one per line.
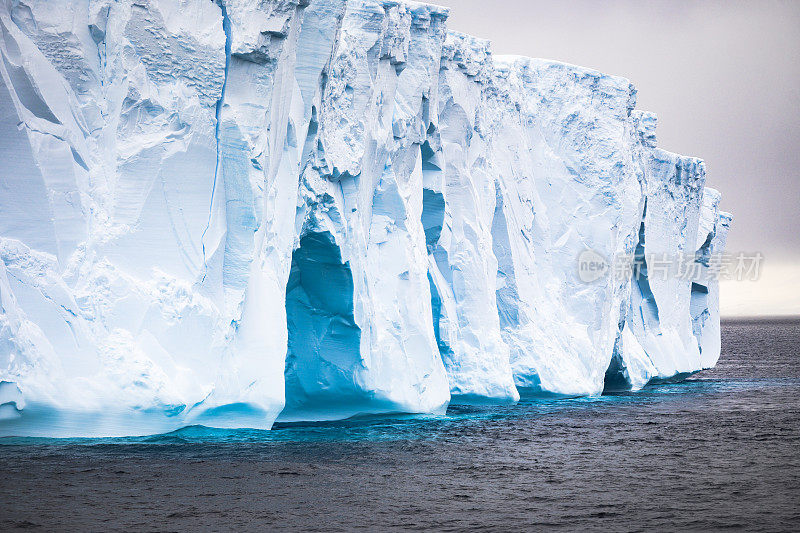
<point>692,394</point>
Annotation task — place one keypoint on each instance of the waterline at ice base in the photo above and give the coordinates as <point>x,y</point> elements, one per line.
<point>233,213</point>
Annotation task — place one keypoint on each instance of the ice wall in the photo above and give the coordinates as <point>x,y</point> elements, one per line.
<point>229,212</point>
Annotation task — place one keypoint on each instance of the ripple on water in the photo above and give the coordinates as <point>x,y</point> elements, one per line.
<point>718,450</point>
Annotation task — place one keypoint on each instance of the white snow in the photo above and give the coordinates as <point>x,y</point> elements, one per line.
<point>235,212</point>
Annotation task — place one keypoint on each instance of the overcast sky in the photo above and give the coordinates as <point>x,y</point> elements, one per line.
<point>724,79</point>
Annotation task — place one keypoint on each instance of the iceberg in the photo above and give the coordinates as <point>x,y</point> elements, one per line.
<point>235,212</point>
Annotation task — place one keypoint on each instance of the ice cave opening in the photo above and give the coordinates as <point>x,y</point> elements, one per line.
<point>616,378</point>
<point>323,337</point>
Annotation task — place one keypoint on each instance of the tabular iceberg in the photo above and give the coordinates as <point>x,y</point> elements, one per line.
<point>232,212</point>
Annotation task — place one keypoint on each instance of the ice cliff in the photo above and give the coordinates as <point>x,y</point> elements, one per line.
<point>232,212</point>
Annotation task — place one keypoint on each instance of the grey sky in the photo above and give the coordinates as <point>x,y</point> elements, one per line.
<point>724,79</point>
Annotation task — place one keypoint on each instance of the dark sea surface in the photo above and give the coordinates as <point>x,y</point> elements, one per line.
<point>718,451</point>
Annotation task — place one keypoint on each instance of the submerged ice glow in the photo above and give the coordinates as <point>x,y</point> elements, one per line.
<point>227,214</point>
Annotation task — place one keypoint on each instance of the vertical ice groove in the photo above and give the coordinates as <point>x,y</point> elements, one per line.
<point>226,28</point>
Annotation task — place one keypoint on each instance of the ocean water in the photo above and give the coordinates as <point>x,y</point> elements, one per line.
<point>718,451</point>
